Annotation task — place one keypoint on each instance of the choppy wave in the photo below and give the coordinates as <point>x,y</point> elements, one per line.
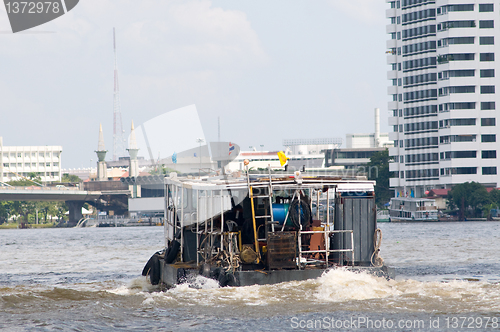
<point>335,289</point>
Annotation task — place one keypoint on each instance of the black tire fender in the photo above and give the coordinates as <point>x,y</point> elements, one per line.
<point>228,279</point>
<point>152,269</point>
<point>172,251</point>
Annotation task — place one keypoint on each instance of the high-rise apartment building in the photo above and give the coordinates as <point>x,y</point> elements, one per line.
<point>443,75</point>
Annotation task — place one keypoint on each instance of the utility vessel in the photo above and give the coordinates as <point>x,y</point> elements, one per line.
<point>244,229</point>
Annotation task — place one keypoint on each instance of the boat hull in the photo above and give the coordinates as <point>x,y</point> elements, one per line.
<point>174,274</point>
<point>396,219</point>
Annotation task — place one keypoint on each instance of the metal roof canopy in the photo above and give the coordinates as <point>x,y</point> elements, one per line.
<point>316,182</point>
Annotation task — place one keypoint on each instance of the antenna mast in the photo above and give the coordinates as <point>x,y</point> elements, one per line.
<point>118,140</point>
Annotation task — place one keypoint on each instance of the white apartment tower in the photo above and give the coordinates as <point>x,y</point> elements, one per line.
<point>443,74</point>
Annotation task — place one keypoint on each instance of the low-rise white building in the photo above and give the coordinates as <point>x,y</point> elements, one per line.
<point>19,161</point>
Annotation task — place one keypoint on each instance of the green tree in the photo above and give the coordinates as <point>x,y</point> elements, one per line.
<point>70,178</point>
<point>378,170</point>
<point>23,209</point>
<point>5,208</point>
<point>470,198</point>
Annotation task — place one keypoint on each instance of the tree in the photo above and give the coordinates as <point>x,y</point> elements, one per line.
<point>470,198</point>
<point>378,170</point>
<point>70,178</point>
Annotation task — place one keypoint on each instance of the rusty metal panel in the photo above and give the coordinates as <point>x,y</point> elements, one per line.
<point>282,250</point>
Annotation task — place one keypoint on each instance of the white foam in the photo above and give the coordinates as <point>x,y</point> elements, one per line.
<point>339,285</point>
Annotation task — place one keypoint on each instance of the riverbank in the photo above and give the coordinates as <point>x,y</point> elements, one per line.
<point>15,225</point>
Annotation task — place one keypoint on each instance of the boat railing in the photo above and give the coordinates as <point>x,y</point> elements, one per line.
<point>327,251</point>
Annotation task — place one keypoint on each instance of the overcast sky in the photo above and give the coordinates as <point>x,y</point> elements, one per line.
<point>269,69</point>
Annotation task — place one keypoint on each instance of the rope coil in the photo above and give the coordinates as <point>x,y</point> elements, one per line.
<point>376,260</point>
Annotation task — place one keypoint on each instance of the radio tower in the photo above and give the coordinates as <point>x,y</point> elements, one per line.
<point>118,140</point>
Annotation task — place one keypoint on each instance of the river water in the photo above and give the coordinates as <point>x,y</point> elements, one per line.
<point>88,279</point>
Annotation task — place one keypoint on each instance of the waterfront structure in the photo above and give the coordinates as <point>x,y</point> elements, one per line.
<point>17,162</point>
<point>133,168</point>
<point>101,155</point>
<point>442,83</point>
<point>359,148</point>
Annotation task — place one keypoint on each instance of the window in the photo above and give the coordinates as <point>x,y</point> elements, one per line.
<point>419,31</point>
<point>489,170</point>
<point>487,73</point>
<point>33,154</point>
<point>456,138</point>
<point>456,41</point>
<point>12,155</point>
<point>393,35</point>
<point>6,155</point>
<point>19,165</point>
<point>457,122</point>
<point>487,89</point>
<point>489,154</point>
<point>26,155</point>
<point>456,8</point>
<point>487,105</point>
<point>445,58</point>
<point>399,66</point>
<point>56,164</point>
<point>485,7</point>
<point>457,106</point>
<point>393,20</point>
<point>26,164</point>
<point>399,19</point>
<point>47,154</point>
<point>487,57</point>
<point>463,154</point>
<point>488,138</point>
<point>457,89</point>
<point>486,40</point>
<point>393,4</point>
<point>41,154</point>
<point>5,165</point>
<point>394,66</point>
<point>487,122</point>
<point>47,164</point>
<point>464,170</point>
<point>399,35</point>
<point>456,24</point>
<point>486,24</point>
<point>19,155</point>
<point>41,164</point>
<point>33,164</point>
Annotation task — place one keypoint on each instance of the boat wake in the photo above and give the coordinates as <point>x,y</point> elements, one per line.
<point>339,288</point>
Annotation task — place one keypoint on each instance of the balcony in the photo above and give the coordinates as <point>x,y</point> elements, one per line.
<point>393,121</point>
<point>392,90</point>
<point>392,105</point>
<point>392,74</point>
<point>391,12</point>
<point>390,28</point>
<point>391,58</point>
<point>393,182</point>
<point>393,167</point>
<point>391,43</point>
<point>393,151</point>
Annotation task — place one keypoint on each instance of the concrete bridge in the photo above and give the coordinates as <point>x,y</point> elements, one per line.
<point>74,197</point>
